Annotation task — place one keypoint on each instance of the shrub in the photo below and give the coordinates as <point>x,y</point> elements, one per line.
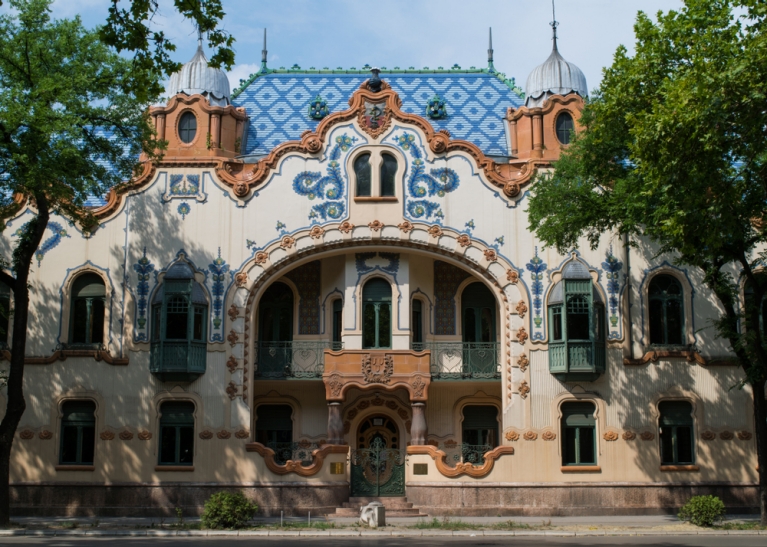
<point>226,510</point>
<point>702,510</point>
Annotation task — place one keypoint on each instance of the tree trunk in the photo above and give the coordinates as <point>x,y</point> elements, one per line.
<point>760,434</point>
<point>22,260</point>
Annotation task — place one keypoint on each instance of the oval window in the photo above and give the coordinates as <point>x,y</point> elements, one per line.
<point>187,127</point>
<point>565,127</point>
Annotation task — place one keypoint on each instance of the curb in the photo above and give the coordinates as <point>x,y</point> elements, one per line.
<point>369,533</point>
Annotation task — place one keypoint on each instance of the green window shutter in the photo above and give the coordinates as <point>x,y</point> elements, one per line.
<point>480,417</point>
<point>578,414</point>
<point>275,417</point>
<point>181,413</point>
<point>675,413</point>
<point>376,290</point>
<point>81,412</point>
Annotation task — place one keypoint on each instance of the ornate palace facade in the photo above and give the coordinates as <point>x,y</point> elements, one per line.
<point>327,289</point>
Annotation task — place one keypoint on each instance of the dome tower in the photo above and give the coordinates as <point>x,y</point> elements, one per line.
<point>197,78</point>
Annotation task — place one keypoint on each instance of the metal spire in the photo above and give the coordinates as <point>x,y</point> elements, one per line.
<point>263,54</point>
<point>554,24</point>
<point>199,37</point>
<point>490,66</point>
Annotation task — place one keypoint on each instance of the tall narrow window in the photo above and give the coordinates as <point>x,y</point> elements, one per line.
<point>78,433</point>
<point>480,426</point>
<point>416,321</point>
<point>666,311</point>
<point>275,340</point>
<point>565,127</point>
<point>274,429</point>
<point>759,308</point>
<point>5,314</point>
<point>363,174</point>
<point>177,433</point>
<point>675,432</point>
<point>388,174</point>
<point>376,314</point>
<point>187,127</point>
<point>480,350</point>
<point>88,294</point>
<point>338,310</point>
<point>578,434</point>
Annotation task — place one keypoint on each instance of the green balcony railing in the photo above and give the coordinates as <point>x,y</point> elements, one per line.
<point>465,453</point>
<point>296,359</point>
<point>463,360</point>
<point>296,451</point>
<point>577,361</point>
<point>178,361</point>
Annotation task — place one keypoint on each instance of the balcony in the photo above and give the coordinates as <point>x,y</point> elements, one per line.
<point>577,361</point>
<point>182,361</point>
<point>465,453</point>
<point>463,360</point>
<point>292,360</point>
<point>295,451</point>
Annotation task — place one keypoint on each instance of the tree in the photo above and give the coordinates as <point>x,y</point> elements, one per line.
<point>674,150</point>
<point>71,125</point>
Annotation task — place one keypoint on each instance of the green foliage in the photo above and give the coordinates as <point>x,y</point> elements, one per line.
<point>226,510</point>
<point>128,28</point>
<point>702,510</point>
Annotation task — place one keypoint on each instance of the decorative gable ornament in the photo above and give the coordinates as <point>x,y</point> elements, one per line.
<point>318,108</point>
<point>436,109</point>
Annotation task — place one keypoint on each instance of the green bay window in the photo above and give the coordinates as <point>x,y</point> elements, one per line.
<point>179,327</point>
<point>376,314</point>
<point>578,434</point>
<point>576,327</point>
<point>78,433</point>
<point>675,433</point>
<point>176,433</point>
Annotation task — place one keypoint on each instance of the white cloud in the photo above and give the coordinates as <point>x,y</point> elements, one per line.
<point>241,72</point>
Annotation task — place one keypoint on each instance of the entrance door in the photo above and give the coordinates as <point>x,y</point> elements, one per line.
<point>275,341</point>
<point>378,464</point>
<point>480,358</point>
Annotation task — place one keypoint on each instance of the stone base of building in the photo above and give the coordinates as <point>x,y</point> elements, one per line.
<point>568,499</point>
<point>161,500</point>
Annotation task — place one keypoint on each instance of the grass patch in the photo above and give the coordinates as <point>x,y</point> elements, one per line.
<point>445,524</point>
<point>319,525</point>
<point>70,525</point>
<point>739,526</point>
<point>510,525</point>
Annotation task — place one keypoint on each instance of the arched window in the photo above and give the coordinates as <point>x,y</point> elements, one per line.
<point>275,329</point>
<point>274,429</point>
<point>416,322</point>
<point>666,311</point>
<point>5,315</point>
<point>577,326</point>
<point>579,439</point>
<point>338,324</point>
<point>78,433</point>
<point>179,326</point>
<point>753,307</point>
<point>363,174</point>
<point>376,314</point>
<point>87,324</point>
<point>565,127</point>
<point>479,431</point>
<point>675,432</point>
<point>388,175</point>
<point>187,127</point>
<point>177,433</point>
<point>480,350</point>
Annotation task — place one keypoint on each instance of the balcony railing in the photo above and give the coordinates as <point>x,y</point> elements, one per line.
<point>298,452</point>
<point>296,359</point>
<point>463,360</point>
<point>465,453</point>
<point>175,361</point>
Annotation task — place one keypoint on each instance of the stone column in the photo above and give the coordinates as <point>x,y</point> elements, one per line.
<point>215,131</point>
<point>159,124</point>
<point>335,424</point>
<point>513,133</point>
<point>419,431</point>
<point>537,136</point>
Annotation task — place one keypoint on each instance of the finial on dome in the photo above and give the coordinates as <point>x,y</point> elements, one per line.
<point>199,37</point>
<point>263,55</point>
<point>554,23</point>
<point>197,78</point>
<point>490,66</point>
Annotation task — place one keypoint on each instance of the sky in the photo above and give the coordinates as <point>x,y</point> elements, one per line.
<point>405,33</point>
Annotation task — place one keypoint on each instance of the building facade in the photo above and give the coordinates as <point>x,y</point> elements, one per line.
<point>328,289</point>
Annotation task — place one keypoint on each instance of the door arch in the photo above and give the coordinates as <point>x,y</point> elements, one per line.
<point>378,462</point>
<point>275,330</point>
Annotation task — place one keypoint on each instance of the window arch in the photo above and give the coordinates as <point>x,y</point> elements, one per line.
<point>176,433</point>
<point>87,310</point>
<point>179,326</point>
<point>375,172</point>
<point>565,126</point>
<point>666,299</point>
<point>577,326</point>
<point>187,127</point>
<point>376,314</point>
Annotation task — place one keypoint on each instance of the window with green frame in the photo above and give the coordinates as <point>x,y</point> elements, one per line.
<point>480,425</point>
<point>78,433</point>
<point>676,433</point>
<point>666,311</point>
<point>579,439</point>
<point>87,314</point>
<point>177,433</point>
<point>376,314</point>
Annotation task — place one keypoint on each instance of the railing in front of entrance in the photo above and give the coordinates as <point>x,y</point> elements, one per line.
<point>465,453</point>
<point>463,360</point>
<point>299,359</point>
<point>296,451</point>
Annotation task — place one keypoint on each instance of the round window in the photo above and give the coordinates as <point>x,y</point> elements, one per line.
<point>187,127</point>
<point>565,127</point>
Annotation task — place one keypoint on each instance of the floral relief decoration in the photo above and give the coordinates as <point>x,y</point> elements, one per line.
<point>548,435</point>
<point>512,436</point>
<point>610,436</point>
<point>708,435</point>
<point>45,435</point>
<point>218,270</point>
<point>530,435</point>
<point>107,435</point>
<point>613,268</point>
<point>629,435</point>
<point>537,267</point>
<point>144,269</point>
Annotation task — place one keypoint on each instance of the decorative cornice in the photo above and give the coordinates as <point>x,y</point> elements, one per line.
<point>64,354</point>
<point>290,466</point>
<point>440,459</point>
<point>514,114</point>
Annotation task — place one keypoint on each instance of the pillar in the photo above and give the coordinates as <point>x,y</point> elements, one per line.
<point>537,136</point>
<point>215,130</point>
<point>513,134</point>
<point>335,424</point>
<point>419,431</point>
<point>159,124</point>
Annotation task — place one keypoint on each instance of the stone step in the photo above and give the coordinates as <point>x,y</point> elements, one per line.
<point>354,513</point>
<point>395,507</point>
<point>388,505</point>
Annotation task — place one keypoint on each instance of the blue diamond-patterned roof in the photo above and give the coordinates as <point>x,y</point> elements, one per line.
<point>277,102</point>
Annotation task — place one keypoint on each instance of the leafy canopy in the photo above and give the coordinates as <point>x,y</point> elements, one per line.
<point>70,124</point>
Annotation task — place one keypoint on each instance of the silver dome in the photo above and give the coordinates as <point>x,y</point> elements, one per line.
<point>554,77</point>
<point>197,78</point>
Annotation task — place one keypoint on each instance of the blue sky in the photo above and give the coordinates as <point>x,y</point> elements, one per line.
<point>404,33</point>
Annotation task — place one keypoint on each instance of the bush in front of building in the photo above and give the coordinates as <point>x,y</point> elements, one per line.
<point>702,510</point>
<point>227,510</point>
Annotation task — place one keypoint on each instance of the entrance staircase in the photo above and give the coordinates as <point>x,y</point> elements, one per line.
<point>395,507</point>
